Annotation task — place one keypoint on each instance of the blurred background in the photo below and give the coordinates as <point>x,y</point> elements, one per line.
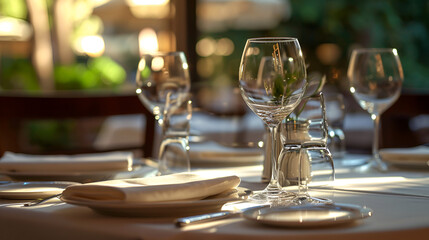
<point>94,45</point>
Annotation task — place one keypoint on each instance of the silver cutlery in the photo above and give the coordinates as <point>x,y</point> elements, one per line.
<point>209,217</point>
<point>41,200</point>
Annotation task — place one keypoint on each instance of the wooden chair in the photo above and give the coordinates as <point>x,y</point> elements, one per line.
<point>15,109</point>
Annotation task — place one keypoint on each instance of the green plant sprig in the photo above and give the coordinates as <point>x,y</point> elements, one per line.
<point>314,87</point>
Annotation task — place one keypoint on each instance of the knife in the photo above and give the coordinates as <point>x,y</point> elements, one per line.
<point>209,217</point>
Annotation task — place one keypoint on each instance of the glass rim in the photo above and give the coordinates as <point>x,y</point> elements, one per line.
<point>370,50</point>
<point>162,53</point>
<point>272,39</point>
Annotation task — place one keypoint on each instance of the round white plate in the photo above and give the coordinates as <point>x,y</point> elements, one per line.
<point>308,215</point>
<point>410,163</point>
<point>32,190</point>
<point>82,177</point>
<point>407,157</point>
<point>160,209</point>
<point>66,176</point>
<point>214,153</point>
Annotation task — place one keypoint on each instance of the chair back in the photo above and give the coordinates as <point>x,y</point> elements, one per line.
<point>16,109</point>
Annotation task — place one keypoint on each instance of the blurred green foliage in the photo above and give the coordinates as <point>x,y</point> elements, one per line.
<point>101,72</point>
<point>13,8</point>
<point>47,134</point>
<point>366,23</point>
<point>18,74</point>
<point>95,73</point>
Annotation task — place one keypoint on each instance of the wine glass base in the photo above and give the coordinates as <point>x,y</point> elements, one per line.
<point>351,161</point>
<point>286,199</point>
<point>277,197</point>
<point>307,199</point>
<point>372,164</point>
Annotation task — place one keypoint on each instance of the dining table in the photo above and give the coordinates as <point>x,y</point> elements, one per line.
<point>398,198</point>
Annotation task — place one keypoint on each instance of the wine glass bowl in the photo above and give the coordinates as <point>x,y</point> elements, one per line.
<point>160,74</point>
<point>375,76</point>
<point>272,80</point>
<point>163,85</point>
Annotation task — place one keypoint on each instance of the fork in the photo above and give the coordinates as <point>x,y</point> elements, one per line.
<point>41,200</point>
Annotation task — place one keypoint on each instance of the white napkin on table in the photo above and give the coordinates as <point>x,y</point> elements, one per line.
<point>109,161</point>
<point>398,155</point>
<point>173,187</point>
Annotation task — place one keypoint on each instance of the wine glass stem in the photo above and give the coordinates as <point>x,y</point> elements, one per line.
<point>380,165</point>
<point>302,181</point>
<point>376,120</point>
<point>274,186</point>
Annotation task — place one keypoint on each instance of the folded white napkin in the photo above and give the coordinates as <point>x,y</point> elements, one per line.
<point>109,161</point>
<point>398,155</point>
<point>174,187</point>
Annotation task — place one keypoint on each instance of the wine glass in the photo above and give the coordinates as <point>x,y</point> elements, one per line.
<point>272,79</point>
<point>162,76</point>
<point>375,76</point>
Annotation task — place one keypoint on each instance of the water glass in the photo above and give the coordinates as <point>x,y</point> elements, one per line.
<point>174,147</point>
<point>306,126</point>
<point>303,168</point>
<point>162,74</point>
<point>305,159</point>
<point>335,113</point>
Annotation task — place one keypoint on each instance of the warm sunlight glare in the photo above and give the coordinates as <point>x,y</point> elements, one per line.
<point>147,2</point>
<point>148,41</point>
<point>14,29</point>
<point>157,63</point>
<point>374,180</point>
<point>93,46</point>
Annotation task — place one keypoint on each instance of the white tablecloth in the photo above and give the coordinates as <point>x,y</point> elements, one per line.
<point>395,216</point>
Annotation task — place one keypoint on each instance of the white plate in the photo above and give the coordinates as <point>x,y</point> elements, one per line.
<point>82,177</point>
<point>406,157</point>
<point>66,176</point>
<point>159,209</point>
<point>32,190</point>
<point>409,163</point>
<point>308,215</point>
<point>214,153</point>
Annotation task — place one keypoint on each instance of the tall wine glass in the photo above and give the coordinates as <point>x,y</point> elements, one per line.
<point>375,76</point>
<point>159,75</point>
<point>272,79</point>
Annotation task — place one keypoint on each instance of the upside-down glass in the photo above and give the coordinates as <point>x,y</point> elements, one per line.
<point>160,75</point>
<point>174,147</point>
<point>375,76</point>
<point>305,158</point>
<point>335,114</point>
<point>272,80</point>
